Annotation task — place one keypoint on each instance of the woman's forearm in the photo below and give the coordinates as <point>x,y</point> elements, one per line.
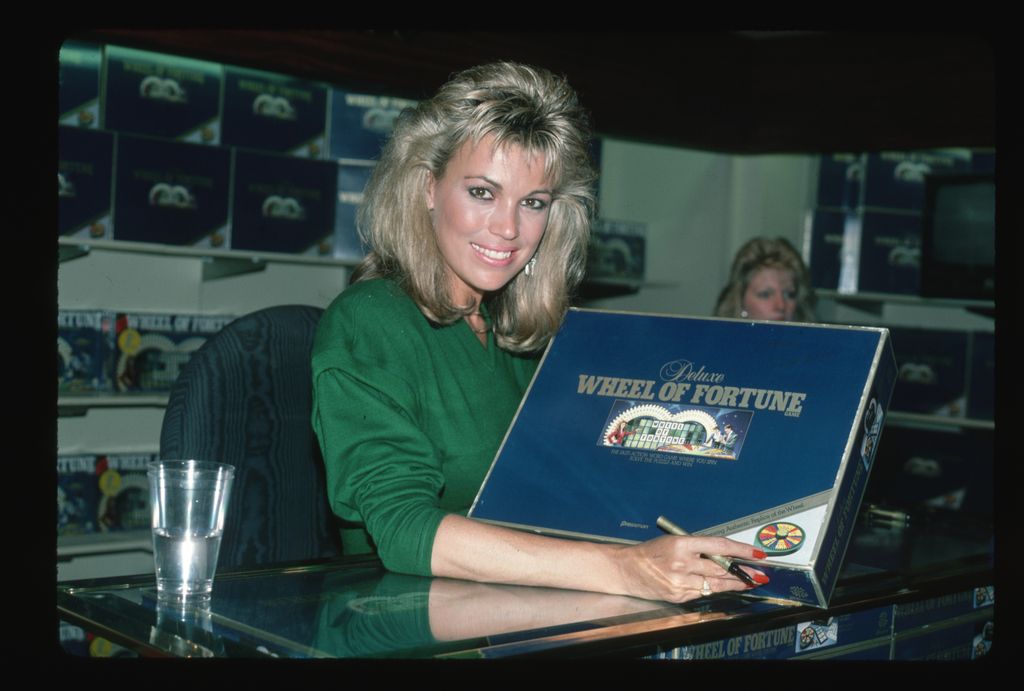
<point>667,568</point>
<point>476,551</point>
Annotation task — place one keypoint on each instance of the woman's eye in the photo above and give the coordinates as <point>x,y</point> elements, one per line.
<point>480,193</point>
<point>535,204</point>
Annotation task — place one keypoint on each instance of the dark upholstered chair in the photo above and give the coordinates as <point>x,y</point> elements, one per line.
<point>245,398</point>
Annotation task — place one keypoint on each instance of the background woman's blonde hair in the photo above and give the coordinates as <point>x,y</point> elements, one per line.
<point>518,105</point>
<point>761,253</point>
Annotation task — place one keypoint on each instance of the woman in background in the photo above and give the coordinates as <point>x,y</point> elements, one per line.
<point>768,281</point>
<point>477,217</point>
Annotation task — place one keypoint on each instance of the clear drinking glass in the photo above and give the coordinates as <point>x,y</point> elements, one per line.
<point>189,501</point>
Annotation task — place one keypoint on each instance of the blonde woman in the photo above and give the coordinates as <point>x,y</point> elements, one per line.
<point>477,217</point>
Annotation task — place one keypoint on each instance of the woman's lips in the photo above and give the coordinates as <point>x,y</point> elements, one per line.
<point>493,256</point>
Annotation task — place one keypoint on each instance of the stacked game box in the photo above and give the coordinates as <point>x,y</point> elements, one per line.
<point>352,181</point>
<point>981,385</point>
<point>102,493</point>
<point>123,492</point>
<point>172,193</point>
<point>165,96</point>
<point>77,495</point>
<point>865,234</point>
<point>361,123</point>
<point>210,156</point>
<point>949,468</point>
<point>152,349</point>
<point>616,252</point>
<point>835,229</point>
<point>273,112</point>
<point>958,626</point>
<point>932,371</point>
<point>80,65</point>
<point>85,184</point>
<point>283,204</point>
<point>865,635</point>
<point>763,432</point>
<point>85,351</point>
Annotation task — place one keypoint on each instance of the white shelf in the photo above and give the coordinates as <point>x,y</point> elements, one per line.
<point>897,298</point>
<point>217,263</point>
<point>97,543</point>
<point>935,421</point>
<point>113,400</point>
<point>76,405</point>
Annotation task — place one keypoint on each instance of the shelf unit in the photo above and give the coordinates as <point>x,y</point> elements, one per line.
<point>78,405</point>
<point>143,277</point>
<point>216,263</point>
<point>902,419</point>
<point>875,302</point>
<point>98,554</point>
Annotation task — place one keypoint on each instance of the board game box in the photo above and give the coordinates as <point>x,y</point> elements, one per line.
<point>162,95</point>
<point>617,251</point>
<point>764,432</point>
<point>153,349</point>
<point>80,64</point>
<point>283,204</point>
<point>352,181</point>
<point>85,182</point>
<point>267,111</point>
<point>123,492</point>
<point>361,123</point>
<point>85,351</point>
<point>171,193</point>
<point>831,637</point>
<point>77,494</point>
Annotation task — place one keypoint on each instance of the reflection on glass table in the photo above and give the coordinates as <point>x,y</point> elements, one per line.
<point>351,607</point>
<point>354,608</point>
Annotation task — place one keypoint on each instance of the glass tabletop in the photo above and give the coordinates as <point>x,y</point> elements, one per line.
<point>353,608</point>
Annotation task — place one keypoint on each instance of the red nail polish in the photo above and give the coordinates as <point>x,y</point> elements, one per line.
<point>760,554</point>
<point>760,578</point>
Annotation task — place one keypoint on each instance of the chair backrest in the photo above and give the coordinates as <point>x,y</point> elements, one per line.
<point>245,398</point>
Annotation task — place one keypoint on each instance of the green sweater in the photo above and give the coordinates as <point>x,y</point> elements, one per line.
<point>409,416</point>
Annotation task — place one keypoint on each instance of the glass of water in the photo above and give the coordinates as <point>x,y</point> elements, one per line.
<point>189,500</point>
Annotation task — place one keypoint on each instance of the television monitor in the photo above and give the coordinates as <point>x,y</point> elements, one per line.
<point>958,237</point>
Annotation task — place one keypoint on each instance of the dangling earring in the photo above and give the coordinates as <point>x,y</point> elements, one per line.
<point>528,269</point>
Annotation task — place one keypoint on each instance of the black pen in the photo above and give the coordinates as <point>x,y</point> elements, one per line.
<point>727,564</point>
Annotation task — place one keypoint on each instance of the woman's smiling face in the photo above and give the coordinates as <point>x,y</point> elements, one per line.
<point>490,210</point>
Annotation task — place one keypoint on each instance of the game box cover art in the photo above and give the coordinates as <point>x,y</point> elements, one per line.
<point>694,430</point>
<point>764,432</point>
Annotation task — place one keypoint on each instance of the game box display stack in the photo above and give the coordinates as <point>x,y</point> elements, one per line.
<point>866,227</point>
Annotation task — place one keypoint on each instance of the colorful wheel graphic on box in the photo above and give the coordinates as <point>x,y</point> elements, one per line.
<point>778,539</point>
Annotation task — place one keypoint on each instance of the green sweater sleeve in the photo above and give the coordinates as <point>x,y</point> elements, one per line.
<point>364,425</point>
<point>409,416</point>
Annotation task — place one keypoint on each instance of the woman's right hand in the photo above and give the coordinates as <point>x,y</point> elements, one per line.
<point>671,568</point>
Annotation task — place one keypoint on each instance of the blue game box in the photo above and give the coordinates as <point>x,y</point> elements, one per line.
<point>161,95</point>
<point>764,432</point>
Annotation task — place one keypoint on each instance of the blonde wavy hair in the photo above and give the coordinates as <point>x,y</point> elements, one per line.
<point>761,253</point>
<point>518,105</point>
